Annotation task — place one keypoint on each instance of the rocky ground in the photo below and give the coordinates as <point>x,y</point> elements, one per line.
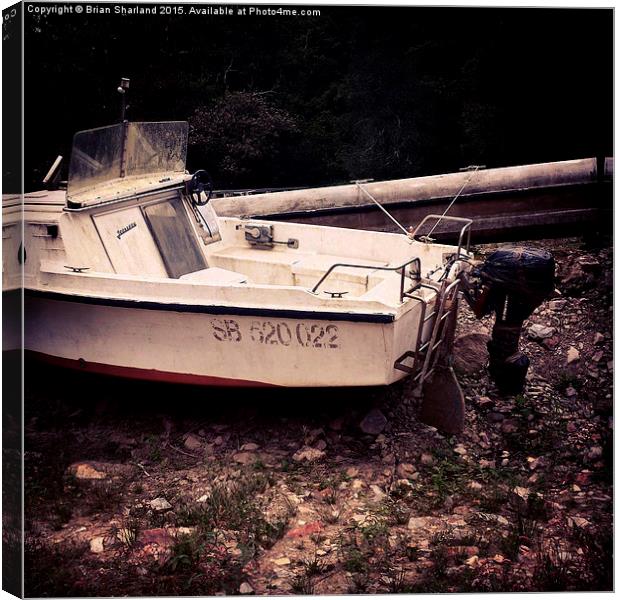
<point>135,488</point>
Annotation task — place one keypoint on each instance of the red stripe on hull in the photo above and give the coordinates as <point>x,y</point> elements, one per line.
<point>144,374</point>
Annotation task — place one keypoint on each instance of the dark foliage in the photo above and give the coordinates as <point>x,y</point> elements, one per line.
<point>241,138</point>
<point>357,92</point>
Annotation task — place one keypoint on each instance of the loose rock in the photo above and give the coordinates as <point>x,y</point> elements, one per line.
<point>245,588</point>
<point>249,447</point>
<point>474,486</point>
<point>572,355</point>
<point>308,454</point>
<point>470,353</point>
<point>557,305</point>
<point>192,442</point>
<point>160,504</point>
<point>579,522</point>
<point>244,458</point>
<point>540,332</point>
<point>95,470</point>
<point>86,471</point>
<point>96,545</point>
<point>374,422</point>
<point>427,460</point>
<point>405,470</point>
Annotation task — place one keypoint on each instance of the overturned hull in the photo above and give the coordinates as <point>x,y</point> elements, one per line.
<point>511,203</point>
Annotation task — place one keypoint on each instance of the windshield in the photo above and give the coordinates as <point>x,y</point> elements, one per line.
<point>125,150</point>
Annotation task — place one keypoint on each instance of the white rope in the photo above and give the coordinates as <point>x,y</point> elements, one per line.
<point>445,212</point>
<point>357,183</point>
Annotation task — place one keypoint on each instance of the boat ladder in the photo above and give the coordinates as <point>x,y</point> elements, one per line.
<point>425,354</point>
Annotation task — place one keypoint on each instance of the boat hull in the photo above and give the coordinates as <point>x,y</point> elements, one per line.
<point>268,348</point>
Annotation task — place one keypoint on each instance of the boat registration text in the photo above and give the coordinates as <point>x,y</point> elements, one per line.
<point>306,335</point>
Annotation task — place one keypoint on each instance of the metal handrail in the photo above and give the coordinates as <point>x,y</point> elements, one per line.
<point>401,268</point>
<point>465,229</point>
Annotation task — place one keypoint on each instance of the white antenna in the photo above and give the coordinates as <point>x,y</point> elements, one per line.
<point>52,173</point>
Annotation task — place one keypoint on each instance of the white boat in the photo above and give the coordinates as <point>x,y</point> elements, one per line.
<point>123,275</point>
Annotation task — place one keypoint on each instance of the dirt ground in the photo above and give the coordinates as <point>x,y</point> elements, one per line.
<point>146,489</point>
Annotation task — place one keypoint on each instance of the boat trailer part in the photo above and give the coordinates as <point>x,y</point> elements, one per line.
<point>512,283</point>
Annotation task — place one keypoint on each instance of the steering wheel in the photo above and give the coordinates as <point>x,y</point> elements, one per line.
<point>200,183</point>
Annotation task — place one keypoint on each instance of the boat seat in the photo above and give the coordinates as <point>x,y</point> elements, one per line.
<point>215,275</point>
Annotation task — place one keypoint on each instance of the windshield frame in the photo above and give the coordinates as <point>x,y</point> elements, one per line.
<point>107,157</point>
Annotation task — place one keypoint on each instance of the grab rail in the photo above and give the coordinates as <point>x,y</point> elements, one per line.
<point>417,274</point>
<point>465,229</point>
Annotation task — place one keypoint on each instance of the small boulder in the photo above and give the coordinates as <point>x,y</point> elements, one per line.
<point>521,497</point>
<point>352,472</point>
<point>577,279</point>
<point>485,402</point>
<point>160,504</point>
<point>557,305</point>
<point>536,462</point>
<point>572,355</point>
<point>422,522</point>
<point>93,470</point>
<point>538,332</point>
<point>464,551</point>
<point>599,338</point>
<point>595,453</point>
<point>578,522</point>
<point>96,545</point>
<point>244,458</point>
<point>192,442</point>
<point>320,445</point>
<point>87,471</point>
<point>460,450</point>
<point>470,353</point>
<point>305,530</point>
<point>474,486</point>
<point>374,422</point>
<point>551,343</point>
<point>245,588</point>
<point>249,447</point>
<point>510,425</point>
<point>377,491</point>
<point>427,460</point>
<point>308,454</point>
<point>405,470</point>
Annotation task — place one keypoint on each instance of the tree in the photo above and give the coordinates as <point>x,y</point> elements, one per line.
<point>242,138</point>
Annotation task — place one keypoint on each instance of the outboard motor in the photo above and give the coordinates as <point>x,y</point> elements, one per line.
<point>511,282</point>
